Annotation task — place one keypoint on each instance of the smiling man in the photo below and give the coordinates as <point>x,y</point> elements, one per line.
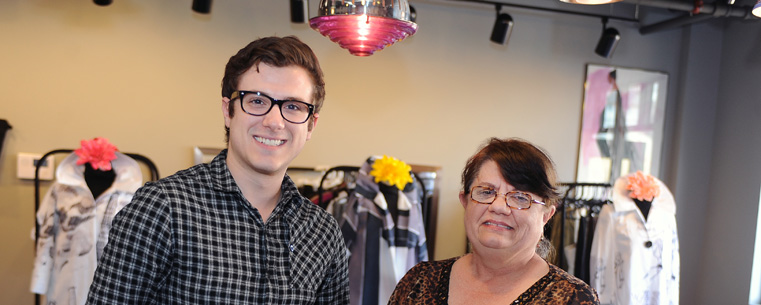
<point>236,230</point>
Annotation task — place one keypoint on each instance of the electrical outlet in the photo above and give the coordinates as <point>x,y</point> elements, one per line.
<point>26,163</point>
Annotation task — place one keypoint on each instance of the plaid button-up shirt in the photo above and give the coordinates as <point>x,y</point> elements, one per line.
<point>192,238</point>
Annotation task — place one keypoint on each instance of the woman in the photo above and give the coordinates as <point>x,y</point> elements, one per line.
<point>508,195</point>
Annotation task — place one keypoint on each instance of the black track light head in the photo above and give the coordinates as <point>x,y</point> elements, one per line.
<point>103,2</point>
<point>298,9</point>
<point>503,27</point>
<point>413,13</point>
<point>608,42</point>
<point>202,6</point>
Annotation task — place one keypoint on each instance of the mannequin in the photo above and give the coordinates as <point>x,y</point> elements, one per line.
<point>383,228</point>
<point>391,193</point>
<point>644,206</point>
<point>635,256</point>
<point>98,180</point>
<point>75,217</point>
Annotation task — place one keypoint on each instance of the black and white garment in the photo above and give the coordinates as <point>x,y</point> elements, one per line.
<point>384,231</point>
<point>74,228</point>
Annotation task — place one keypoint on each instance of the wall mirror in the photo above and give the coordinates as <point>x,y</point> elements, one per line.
<point>622,123</point>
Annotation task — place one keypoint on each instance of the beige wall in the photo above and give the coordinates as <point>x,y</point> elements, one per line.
<point>146,75</point>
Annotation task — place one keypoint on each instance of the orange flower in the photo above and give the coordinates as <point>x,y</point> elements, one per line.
<point>642,187</point>
<point>98,152</point>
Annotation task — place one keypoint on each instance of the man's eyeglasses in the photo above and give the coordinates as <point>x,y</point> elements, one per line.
<point>515,199</point>
<point>259,104</point>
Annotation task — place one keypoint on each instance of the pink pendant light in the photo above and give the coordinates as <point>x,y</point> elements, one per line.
<point>590,2</point>
<point>364,26</point>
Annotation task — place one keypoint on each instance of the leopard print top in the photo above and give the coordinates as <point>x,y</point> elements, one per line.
<point>428,283</point>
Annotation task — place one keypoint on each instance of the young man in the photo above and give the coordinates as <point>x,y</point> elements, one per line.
<point>236,230</point>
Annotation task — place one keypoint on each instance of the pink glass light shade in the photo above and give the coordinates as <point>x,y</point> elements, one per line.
<point>364,26</point>
<point>590,2</point>
<point>363,35</point>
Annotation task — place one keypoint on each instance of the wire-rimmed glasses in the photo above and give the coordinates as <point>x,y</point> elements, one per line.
<point>515,199</point>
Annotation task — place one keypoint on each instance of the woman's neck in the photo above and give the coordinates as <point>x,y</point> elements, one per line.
<point>478,280</point>
<point>486,266</point>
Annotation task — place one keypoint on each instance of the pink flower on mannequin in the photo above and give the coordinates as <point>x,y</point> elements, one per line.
<point>98,152</point>
<point>642,187</point>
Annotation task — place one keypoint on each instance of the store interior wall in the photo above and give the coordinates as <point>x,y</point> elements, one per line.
<point>146,75</point>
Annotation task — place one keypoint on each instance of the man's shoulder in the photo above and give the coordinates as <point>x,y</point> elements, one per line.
<point>199,173</point>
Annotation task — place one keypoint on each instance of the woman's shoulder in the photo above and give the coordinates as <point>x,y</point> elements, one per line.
<point>430,271</point>
<point>426,283</point>
<point>568,285</point>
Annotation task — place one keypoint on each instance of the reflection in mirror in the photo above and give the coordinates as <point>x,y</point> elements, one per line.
<point>622,123</point>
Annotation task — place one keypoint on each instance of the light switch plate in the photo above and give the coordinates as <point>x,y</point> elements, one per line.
<point>25,166</point>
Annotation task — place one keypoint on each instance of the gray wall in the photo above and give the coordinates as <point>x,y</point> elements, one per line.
<point>735,172</point>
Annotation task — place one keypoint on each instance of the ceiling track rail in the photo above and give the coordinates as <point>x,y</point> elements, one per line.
<point>697,11</point>
<point>553,10</point>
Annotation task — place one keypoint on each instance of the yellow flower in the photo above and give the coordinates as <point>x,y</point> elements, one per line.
<point>391,171</point>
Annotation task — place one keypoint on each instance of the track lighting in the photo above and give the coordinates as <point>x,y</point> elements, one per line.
<point>608,40</point>
<point>757,9</point>
<point>103,2</point>
<point>298,7</point>
<point>202,6</point>
<point>590,2</point>
<point>503,27</point>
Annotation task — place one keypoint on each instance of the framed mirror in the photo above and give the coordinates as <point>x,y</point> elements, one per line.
<point>622,123</point>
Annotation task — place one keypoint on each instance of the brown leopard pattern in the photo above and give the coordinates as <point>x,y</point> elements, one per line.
<point>428,284</point>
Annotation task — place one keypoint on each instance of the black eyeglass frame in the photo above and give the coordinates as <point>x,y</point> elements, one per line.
<point>532,201</point>
<point>240,93</point>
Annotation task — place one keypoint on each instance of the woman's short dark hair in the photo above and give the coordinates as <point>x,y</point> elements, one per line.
<point>276,52</point>
<point>525,166</point>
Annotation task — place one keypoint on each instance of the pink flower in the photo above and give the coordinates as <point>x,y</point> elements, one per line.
<point>642,187</point>
<point>98,152</point>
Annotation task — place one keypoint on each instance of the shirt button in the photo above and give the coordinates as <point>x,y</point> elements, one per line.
<point>648,244</point>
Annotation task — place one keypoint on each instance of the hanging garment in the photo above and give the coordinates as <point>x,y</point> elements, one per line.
<point>584,246</point>
<point>73,228</point>
<point>633,260</point>
<point>382,247</point>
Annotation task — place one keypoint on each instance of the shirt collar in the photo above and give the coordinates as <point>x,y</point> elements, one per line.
<point>368,188</point>
<point>223,181</point>
<point>129,176</point>
<point>622,202</point>
<point>221,176</point>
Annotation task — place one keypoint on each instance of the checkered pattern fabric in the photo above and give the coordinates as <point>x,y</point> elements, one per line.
<point>192,238</point>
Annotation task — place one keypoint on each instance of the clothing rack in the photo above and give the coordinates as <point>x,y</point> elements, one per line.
<point>581,194</point>
<point>151,166</point>
<point>321,187</point>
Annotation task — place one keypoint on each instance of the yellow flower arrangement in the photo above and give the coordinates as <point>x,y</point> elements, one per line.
<point>391,171</point>
<point>642,187</point>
